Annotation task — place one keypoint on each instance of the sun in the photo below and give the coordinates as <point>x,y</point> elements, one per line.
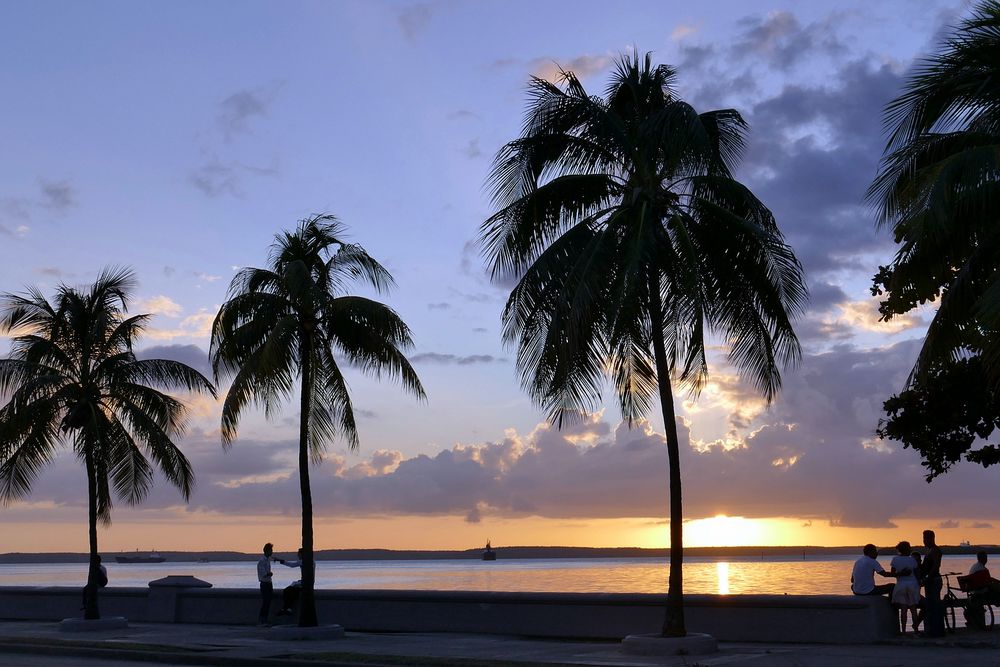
<point>723,531</point>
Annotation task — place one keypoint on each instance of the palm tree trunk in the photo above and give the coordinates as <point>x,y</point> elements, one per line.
<point>307,600</point>
<point>90,609</point>
<point>673,623</point>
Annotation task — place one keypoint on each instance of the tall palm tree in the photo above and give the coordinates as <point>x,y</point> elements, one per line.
<point>628,238</point>
<point>289,322</point>
<point>938,189</point>
<point>72,377</point>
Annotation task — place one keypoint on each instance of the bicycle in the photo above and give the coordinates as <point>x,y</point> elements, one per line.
<point>950,600</point>
<point>980,595</point>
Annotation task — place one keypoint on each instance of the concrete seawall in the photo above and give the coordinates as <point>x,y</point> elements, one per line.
<point>833,619</point>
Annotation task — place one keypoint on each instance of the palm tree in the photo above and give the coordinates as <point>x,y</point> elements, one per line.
<point>628,237</point>
<point>72,377</point>
<point>290,321</point>
<point>938,189</point>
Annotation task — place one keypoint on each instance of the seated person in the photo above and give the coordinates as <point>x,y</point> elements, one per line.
<point>102,579</point>
<point>980,563</point>
<point>290,595</point>
<point>863,575</point>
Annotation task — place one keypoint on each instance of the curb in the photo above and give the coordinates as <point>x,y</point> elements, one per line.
<point>178,658</point>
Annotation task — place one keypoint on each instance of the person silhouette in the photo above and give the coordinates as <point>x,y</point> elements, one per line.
<point>264,575</point>
<point>930,573</point>
<point>906,595</point>
<point>291,592</point>
<point>980,564</point>
<point>102,579</point>
<point>863,574</point>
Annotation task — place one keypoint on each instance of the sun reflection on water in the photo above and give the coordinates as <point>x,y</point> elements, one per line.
<point>722,572</point>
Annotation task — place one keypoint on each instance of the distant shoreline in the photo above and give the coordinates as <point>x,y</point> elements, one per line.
<point>504,553</point>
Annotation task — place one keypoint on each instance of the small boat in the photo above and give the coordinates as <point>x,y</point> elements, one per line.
<point>152,557</point>
<point>964,543</point>
<point>489,553</point>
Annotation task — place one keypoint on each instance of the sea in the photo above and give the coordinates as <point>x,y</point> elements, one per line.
<point>807,575</point>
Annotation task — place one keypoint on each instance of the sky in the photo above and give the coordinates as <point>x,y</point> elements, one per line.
<point>178,138</point>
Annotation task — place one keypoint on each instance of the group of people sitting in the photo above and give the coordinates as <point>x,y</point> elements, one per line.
<point>910,572</point>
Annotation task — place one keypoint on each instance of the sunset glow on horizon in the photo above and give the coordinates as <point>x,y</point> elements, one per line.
<point>178,139</point>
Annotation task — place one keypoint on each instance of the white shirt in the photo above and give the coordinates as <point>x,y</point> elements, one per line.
<point>863,576</point>
<point>900,563</point>
<point>264,570</point>
<point>976,567</point>
<point>294,563</point>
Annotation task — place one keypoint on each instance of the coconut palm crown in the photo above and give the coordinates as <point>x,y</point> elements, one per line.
<point>290,326</point>
<point>628,238</point>
<point>73,378</point>
<point>938,190</point>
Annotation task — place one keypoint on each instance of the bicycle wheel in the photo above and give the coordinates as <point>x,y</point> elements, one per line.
<point>950,601</point>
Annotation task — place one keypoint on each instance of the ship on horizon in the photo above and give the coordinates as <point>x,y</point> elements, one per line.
<point>489,553</point>
<point>152,557</point>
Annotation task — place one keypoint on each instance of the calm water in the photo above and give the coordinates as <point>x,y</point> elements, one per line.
<point>811,576</point>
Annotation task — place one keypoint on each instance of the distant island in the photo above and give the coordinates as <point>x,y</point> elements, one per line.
<point>503,553</point>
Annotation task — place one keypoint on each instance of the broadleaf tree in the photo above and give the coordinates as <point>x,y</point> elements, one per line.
<point>937,190</point>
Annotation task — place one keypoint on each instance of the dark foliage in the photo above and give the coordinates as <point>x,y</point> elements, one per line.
<point>946,416</point>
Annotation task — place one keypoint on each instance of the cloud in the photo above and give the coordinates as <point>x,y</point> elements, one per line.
<point>192,355</point>
<point>215,178</point>
<point>454,359</point>
<point>472,149</point>
<point>833,318</point>
<point>16,208</point>
<point>18,232</point>
<point>978,525</point>
<point>441,305</point>
<point>582,66</point>
<point>805,457</point>
<point>57,195</point>
<point>591,470</point>
<point>810,158</point>
<point>218,173</point>
<point>683,30</point>
<point>823,295</point>
<point>413,19</point>
<point>463,114</point>
<point>238,110</point>
<point>51,271</point>
<point>159,305</point>
<point>864,315</point>
<point>781,41</point>
<point>949,524</point>
<point>815,137</point>
<point>198,325</point>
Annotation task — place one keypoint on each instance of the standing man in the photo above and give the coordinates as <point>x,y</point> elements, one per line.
<point>930,570</point>
<point>863,575</point>
<point>266,587</point>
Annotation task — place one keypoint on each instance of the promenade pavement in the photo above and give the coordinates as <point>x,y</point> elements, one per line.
<point>42,644</point>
